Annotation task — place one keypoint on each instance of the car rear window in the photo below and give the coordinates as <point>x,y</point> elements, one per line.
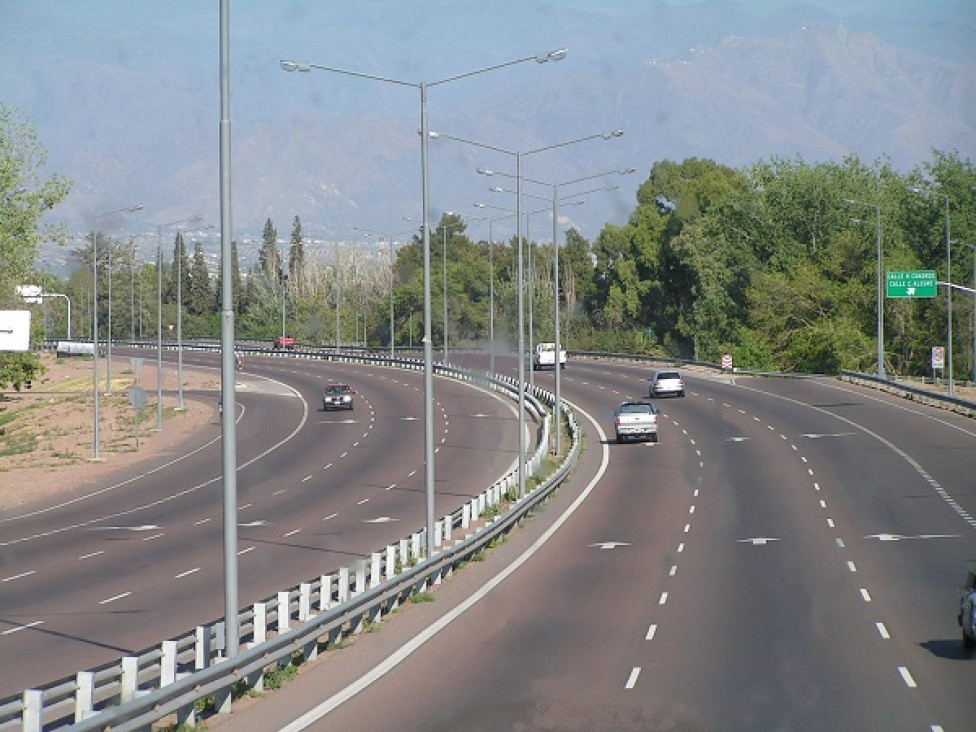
<point>668,375</point>
<point>636,409</point>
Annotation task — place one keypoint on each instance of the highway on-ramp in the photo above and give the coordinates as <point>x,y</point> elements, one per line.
<point>118,567</point>
<point>788,556</point>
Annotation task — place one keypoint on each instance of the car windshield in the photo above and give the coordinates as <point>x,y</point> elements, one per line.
<point>337,390</point>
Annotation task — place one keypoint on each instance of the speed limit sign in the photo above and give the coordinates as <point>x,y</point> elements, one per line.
<point>938,357</point>
<point>727,361</point>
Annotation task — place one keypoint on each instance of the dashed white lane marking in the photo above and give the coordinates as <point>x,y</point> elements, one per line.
<point>907,677</point>
<point>18,576</point>
<point>650,632</point>
<point>865,595</point>
<point>830,523</point>
<point>691,509</point>
<point>681,548</point>
<point>330,516</point>
<point>10,631</point>
<point>687,528</point>
<point>851,566</point>
<point>306,478</point>
<point>92,554</point>
<point>664,598</point>
<point>632,679</point>
<point>201,521</point>
<point>673,571</point>
<point>290,533</point>
<point>360,503</point>
<point>154,536</point>
<point>187,573</point>
<point>883,631</point>
<point>242,552</point>
<point>840,542</point>
<point>107,600</point>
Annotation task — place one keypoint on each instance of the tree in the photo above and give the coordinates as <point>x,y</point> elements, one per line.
<point>269,260</point>
<point>24,197</point>
<point>201,295</point>
<point>296,259</point>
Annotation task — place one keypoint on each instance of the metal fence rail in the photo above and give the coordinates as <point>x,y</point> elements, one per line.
<point>136,691</point>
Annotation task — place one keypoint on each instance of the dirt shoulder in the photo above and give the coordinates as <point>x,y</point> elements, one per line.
<point>46,433</point>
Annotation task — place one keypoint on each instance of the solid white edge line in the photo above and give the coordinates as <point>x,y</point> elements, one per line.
<point>388,664</point>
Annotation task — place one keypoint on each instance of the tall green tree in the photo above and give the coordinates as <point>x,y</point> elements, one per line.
<point>24,198</point>
<point>296,259</point>
<point>201,296</point>
<point>269,259</point>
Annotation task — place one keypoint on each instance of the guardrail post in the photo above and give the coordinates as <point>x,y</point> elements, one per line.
<point>390,561</point>
<point>167,664</point>
<point>130,678</point>
<point>438,530</point>
<point>375,569</point>
<point>260,634</point>
<point>404,553</point>
<point>84,695</point>
<point>284,611</point>
<point>343,587</point>
<point>325,592</point>
<point>465,515</point>
<point>415,545</point>
<point>446,526</point>
<point>201,647</point>
<point>304,601</point>
<point>33,710</point>
<point>360,577</point>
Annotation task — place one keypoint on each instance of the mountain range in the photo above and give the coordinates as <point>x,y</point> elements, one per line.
<point>130,111</point>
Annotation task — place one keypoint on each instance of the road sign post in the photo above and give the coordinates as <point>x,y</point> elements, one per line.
<point>911,284</point>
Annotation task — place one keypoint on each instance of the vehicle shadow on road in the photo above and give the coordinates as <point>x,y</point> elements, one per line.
<point>952,650</point>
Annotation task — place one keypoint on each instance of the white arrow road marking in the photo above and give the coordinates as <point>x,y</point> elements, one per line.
<point>253,524</point>
<point>144,527</point>
<point>758,540</point>
<point>409,419</point>
<point>480,414</point>
<point>609,544</point>
<point>379,520</point>
<point>736,439</point>
<point>817,436</point>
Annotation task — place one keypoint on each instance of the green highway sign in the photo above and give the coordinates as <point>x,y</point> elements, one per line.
<point>915,283</point>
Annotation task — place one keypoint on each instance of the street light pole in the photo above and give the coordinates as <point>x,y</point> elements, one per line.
<point>945,197</point>
<point>159,313</point>
<point>880,284</point>
<point>422,87</point>
<point>108,351</point>
<point>129,209</point>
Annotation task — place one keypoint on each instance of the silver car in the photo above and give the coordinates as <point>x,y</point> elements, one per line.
<point>967,611</point>
<point>337,396</point>
<point>667,383</point>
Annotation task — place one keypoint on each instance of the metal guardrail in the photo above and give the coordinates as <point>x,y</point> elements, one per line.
<point>923,396</point>
<point>136,691</point>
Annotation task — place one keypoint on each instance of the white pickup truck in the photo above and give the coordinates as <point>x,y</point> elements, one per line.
<point>635,421</point>
<point>545,357</point>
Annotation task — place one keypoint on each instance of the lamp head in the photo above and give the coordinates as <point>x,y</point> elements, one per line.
<point>294,66</point>
<point>612,134</point>
<point>557,55</point>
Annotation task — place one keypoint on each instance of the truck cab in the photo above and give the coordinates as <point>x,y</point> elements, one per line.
<point>544,357</point>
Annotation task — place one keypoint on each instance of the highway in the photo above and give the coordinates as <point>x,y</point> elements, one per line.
<point>788,557</point>
<point>119,567</point>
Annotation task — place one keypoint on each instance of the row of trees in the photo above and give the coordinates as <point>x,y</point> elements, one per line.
<point>774,264</point>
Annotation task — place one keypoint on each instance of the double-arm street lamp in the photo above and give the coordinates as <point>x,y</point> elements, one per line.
<point>557,409</point>
<point>422,87</point>
<point>973,248</point>
<point>159,311</point>
<point>518,155</point>
<point>95,219</point>
<point>880,282</point>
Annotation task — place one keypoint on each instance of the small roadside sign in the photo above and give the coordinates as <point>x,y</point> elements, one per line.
<point>938,357</point>
<point>727,361</point>
<point>913,283</point>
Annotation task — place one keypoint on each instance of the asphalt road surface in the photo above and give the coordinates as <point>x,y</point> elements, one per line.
<point>788,557</point>
<point>122,566</point>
